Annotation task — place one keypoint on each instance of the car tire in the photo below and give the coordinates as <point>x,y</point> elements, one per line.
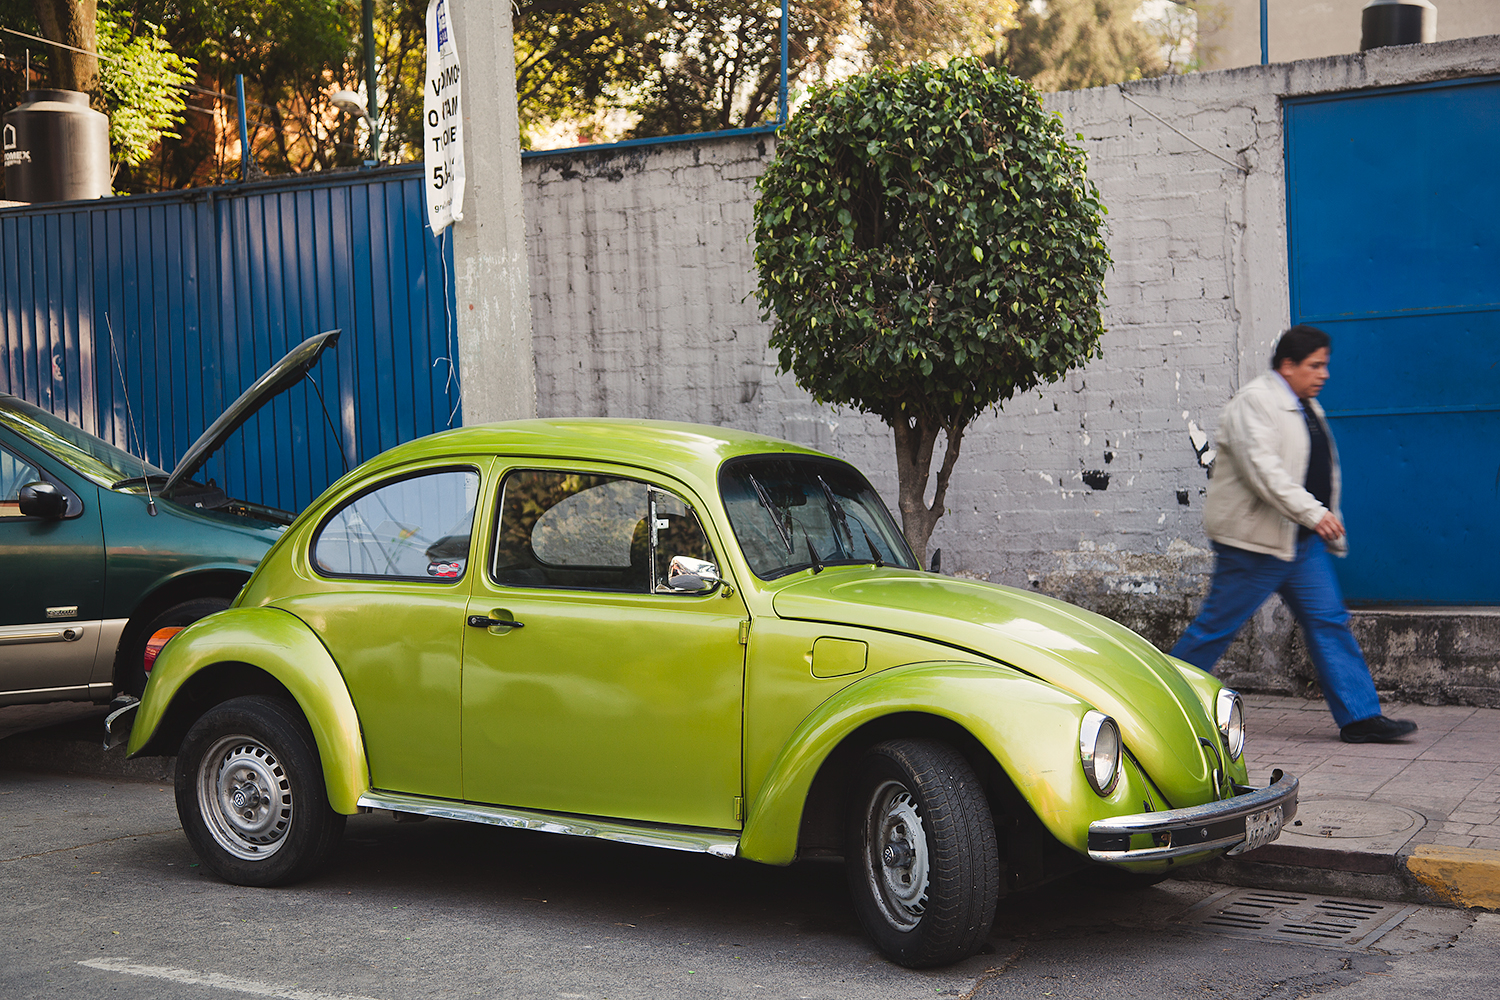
<point>921,854</point>
<point>250,793</point>
<point>130,675</point>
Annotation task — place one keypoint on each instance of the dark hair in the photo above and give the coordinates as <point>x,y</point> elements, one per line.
<point>1297,343</point>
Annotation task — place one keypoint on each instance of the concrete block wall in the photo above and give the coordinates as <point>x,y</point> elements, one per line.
<point>642,284</point>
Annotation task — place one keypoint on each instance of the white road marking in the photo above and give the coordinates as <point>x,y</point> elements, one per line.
<point>215,979</point>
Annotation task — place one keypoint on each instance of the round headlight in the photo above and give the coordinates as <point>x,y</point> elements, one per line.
<point>1229,712</point>
<point>1099,750</point>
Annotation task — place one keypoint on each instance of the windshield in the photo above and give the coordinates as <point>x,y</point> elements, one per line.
<point>99,460</point>
<point>792,512</point>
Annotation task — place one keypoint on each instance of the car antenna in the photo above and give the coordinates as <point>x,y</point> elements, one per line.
<point>130,417</point>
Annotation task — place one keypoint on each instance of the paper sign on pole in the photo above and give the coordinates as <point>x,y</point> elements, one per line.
<point>443,131</point>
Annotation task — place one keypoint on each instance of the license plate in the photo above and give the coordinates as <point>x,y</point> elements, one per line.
<point>1260,829</point>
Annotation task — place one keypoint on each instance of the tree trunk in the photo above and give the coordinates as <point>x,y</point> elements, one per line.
<point>71,22</point>
<point>915,441</point>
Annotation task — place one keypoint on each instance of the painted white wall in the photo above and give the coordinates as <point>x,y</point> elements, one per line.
<point>642,283</point>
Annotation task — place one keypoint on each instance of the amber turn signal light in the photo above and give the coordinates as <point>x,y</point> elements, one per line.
<point>154,644</point>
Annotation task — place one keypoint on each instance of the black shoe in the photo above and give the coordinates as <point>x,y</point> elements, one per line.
<point>1377,730</point>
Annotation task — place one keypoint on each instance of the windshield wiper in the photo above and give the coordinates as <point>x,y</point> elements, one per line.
<point>879,562</point>
<point>812,553</point>
<point>765,501</point>
<point>838,513</point>
<point>843,520</point>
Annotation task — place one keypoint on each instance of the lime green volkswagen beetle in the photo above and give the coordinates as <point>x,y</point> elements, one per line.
<point>693,638</point>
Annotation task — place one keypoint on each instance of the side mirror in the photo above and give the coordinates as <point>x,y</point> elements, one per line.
<point>43,500</point>
<point>686,575</point>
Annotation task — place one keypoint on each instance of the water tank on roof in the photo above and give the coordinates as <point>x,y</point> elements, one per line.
<point>1397,22</point>
<point>56,148</point>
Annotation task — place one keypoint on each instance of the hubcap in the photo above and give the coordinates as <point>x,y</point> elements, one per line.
<point>245,797</point>
<point>897,859</point>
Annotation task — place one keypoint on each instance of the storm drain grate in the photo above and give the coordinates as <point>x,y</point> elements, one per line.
<point>1324,921</point>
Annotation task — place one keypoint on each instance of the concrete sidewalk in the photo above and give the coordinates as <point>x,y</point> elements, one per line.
<point>1417,821</point>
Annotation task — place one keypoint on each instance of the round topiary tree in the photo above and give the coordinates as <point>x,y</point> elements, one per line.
<point>928,246</point>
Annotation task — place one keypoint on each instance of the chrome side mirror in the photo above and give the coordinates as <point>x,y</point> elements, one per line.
<point>686,575</point>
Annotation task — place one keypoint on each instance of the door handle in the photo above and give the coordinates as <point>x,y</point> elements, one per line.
<point>483,621</point>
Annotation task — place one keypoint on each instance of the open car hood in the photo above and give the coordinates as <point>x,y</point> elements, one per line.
<point>1097,660</point>
<point>278,379</point>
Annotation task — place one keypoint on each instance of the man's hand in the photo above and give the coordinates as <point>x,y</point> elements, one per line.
<point>1330,528</point>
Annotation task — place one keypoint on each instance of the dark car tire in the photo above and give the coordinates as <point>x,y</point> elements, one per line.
<point>130,675</point>
<point>921,854</point>
<point>250,793</point>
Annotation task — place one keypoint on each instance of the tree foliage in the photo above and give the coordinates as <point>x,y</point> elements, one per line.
<point>928,245</point>
<point>143,82</point>
<point>1073,44</point>
<point>683,66</point>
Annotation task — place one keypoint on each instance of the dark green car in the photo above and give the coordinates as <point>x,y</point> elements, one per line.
<point>98,549</point>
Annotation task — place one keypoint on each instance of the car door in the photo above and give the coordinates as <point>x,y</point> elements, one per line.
<point>591,685</point>
<point>391,571</point>
<point>51,585</point>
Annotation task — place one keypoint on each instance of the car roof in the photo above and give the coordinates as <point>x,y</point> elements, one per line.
<point>691,452</point>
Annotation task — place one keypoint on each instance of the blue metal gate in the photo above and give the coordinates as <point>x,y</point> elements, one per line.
<point>141,318</point>
<point>1394,227</point>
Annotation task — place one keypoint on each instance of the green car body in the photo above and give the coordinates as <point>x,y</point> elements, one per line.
<point>98,548</point>
<point>731,714</point>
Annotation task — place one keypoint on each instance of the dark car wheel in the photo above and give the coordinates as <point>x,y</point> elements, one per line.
<point>250,793</point>
<point>130,675</point>
<point>922,860</point>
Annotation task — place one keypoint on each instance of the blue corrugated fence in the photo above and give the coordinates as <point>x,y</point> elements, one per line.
<point>140,319</point>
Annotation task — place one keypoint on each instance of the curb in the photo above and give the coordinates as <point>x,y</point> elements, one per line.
<point>1425,874</point>
<point>1467,877</point>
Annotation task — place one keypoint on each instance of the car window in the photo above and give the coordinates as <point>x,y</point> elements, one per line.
<point>591,532</point>
<point>415,528</point>
<point>15,472</point>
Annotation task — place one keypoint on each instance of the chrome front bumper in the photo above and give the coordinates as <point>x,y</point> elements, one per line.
<point>1247,821</point>
<point>119,720</point>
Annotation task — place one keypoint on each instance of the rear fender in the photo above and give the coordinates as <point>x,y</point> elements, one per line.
<point>280,644</point>
<point>1028,726</point>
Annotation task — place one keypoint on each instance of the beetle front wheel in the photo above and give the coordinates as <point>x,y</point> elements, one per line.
<point>921,856</point>
<point>250,793</point>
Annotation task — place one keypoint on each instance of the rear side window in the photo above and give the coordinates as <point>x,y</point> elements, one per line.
<point>415,528</point>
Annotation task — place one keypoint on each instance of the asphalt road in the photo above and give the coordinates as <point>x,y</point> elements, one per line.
<point>100,895</point>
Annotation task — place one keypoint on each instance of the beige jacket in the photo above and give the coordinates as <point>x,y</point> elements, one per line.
<point>1255,498</point>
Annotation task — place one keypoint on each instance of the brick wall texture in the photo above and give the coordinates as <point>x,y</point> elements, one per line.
<point>642,292</point>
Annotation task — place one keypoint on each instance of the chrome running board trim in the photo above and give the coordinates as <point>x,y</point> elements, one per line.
<point>702,842</point>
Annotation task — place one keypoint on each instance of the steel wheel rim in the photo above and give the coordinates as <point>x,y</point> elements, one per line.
<point>245,797</point>
<point>896,858</point>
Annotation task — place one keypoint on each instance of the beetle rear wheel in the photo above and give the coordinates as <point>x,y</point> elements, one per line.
<point>250,793</point>
<point>922,859</point>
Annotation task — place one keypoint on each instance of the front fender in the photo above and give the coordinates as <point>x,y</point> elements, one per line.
<point>1029,726</point>
<point>284,647</point>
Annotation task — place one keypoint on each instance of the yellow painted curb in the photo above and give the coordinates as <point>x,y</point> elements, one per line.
<point>1464,876</point>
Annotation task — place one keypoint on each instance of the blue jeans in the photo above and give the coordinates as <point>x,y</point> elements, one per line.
<point>1242,582</point>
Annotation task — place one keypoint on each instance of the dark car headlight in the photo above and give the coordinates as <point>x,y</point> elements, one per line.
<point>1229,713</point>
<point>1099,751</point>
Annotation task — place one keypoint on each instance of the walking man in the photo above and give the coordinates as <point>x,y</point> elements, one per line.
<point>1273,517</point>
